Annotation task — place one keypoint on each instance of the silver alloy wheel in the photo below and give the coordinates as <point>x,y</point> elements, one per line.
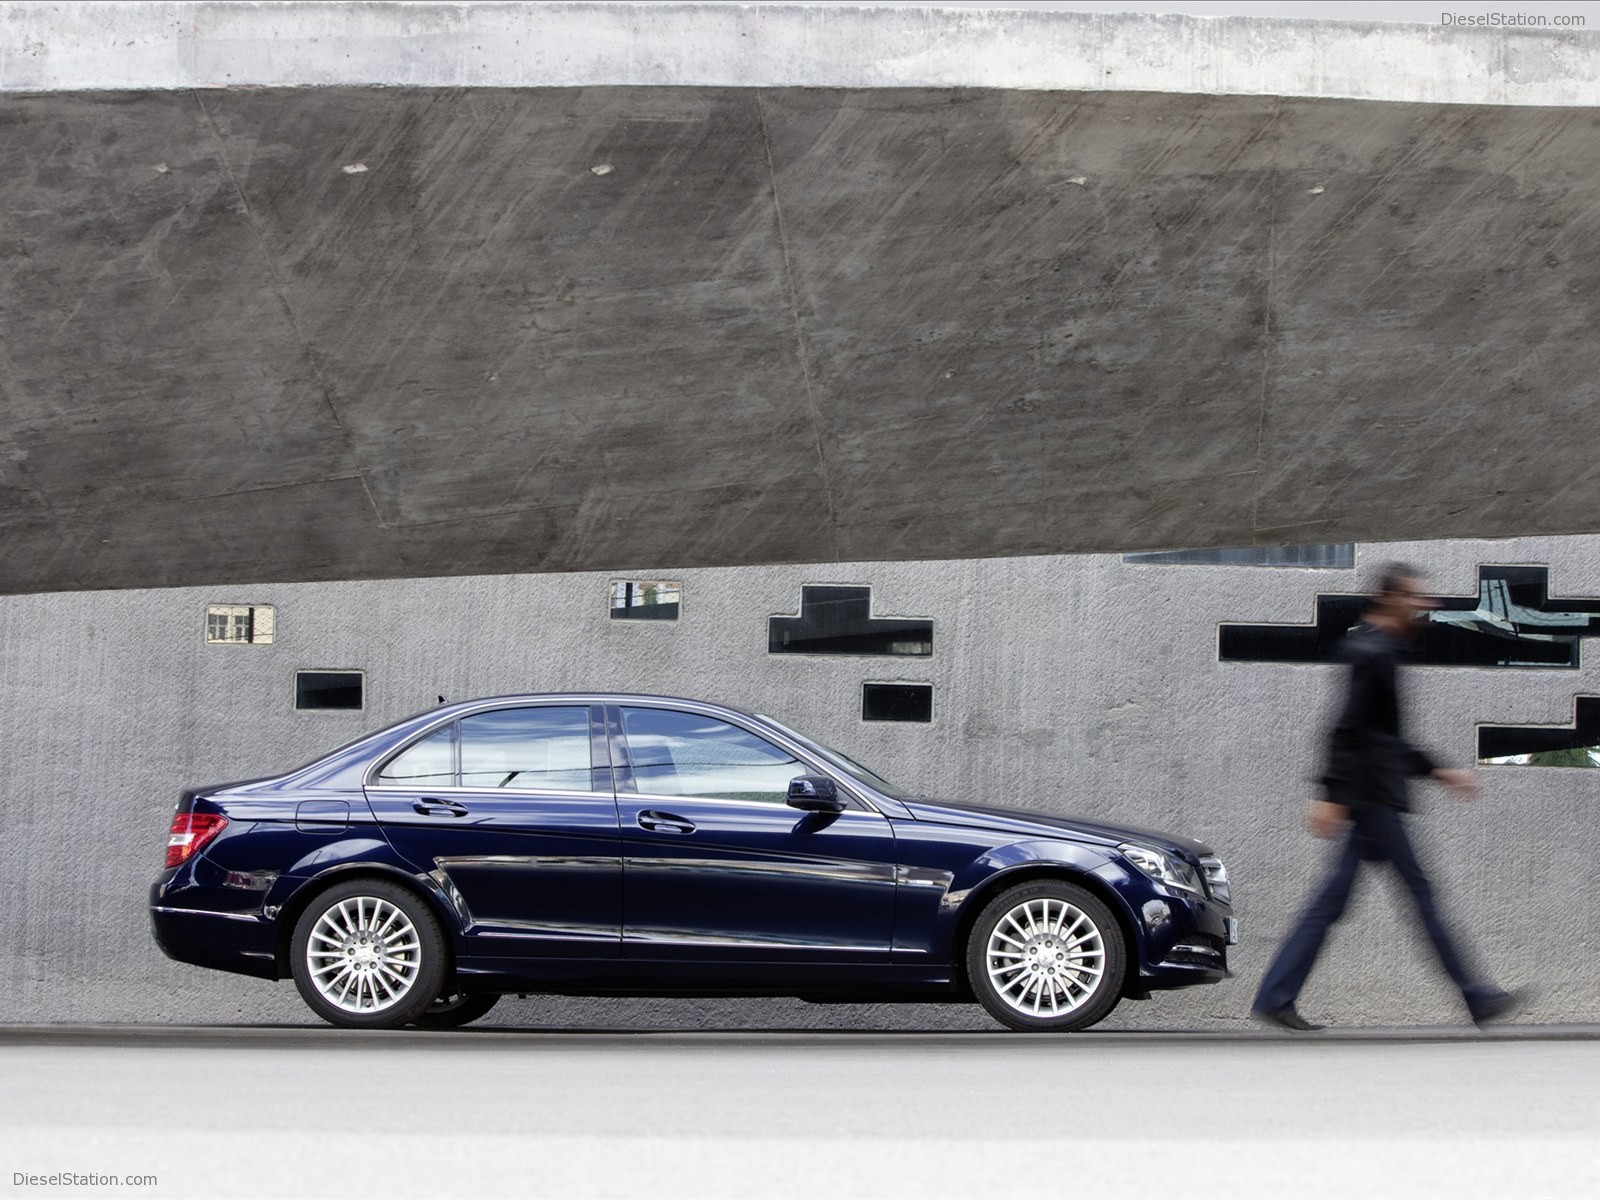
<point>363,955</point>
<point>1045,956</point>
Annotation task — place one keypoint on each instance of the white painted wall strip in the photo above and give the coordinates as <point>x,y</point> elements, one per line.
<point>48,47</point>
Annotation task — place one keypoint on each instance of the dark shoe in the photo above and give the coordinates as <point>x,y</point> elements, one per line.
<point>1495,1006</point>
<point>1287,1018</point>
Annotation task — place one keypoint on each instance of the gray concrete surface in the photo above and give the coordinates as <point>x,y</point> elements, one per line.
<point>534,1113</point>
<point>1068,684</point>
<point>335,332</point>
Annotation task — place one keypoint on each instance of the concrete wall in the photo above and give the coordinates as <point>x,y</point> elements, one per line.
<point>330,291</point>
<point>1069,684</point>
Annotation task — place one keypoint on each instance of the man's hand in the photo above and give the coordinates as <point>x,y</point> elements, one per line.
<point>1462,782</point>
<point>1326,819</point>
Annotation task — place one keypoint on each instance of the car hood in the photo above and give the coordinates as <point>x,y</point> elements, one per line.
<point>1026,822</point>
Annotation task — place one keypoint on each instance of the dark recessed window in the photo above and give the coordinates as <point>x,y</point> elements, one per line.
<point>897,702</point>
<point>1575,745</point>
<point>645,599</point>
<point>1512,622</point>
<point>1328,555</point>
<point>839,620</point>
<point>240,624</point>
<point>328,689</point>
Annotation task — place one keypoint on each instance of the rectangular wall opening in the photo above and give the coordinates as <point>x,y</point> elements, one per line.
<point>329,689</point>
<point>897,702</point>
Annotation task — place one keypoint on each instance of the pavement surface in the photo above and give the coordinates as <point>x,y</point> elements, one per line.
<point>312,1111</point>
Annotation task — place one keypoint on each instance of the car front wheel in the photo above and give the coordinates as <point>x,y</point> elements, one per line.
<point>1046,956</point>
<point>368,955</point>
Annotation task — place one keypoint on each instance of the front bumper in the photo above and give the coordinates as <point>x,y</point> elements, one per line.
<point>1182,938</point>
<point>1187,940</point>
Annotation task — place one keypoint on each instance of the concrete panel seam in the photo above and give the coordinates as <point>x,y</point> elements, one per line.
<point>792,291</point>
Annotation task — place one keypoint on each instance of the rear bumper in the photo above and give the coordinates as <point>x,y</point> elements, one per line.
<point>243,943</point>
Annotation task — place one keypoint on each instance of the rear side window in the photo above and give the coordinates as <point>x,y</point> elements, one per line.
<point>684,754</point>
<point>429,763</point>
<point>544,748</point>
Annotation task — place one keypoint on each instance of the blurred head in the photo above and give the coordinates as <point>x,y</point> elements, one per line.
<point>1401,597</point>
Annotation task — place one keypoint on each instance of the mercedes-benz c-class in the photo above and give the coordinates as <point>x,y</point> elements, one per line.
<point>604,844</point>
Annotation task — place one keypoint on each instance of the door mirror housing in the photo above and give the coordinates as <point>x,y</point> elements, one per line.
<point>814,793</point>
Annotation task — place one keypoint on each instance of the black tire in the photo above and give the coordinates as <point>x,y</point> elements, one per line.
<point>368,954</point>
<point>456,1009</point>
<point>1046,956</point>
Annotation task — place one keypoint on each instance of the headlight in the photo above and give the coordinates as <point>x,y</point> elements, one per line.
<point>1163,867</point>
<point>1216,878</point>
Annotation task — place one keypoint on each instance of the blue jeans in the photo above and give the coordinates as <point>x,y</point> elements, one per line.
<point>1377,834</point>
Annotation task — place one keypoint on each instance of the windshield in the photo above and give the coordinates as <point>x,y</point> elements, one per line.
<point>841,761</point>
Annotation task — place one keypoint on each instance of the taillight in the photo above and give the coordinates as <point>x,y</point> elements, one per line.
<point>189,834</point>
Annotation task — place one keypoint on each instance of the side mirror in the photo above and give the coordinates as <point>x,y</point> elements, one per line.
<point>814,793</point>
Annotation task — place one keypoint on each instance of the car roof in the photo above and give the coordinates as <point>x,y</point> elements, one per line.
<point>585,698</point>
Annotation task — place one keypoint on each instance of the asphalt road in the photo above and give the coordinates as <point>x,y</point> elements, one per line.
<point>304,1111</point>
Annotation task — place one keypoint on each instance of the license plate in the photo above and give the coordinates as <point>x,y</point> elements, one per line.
<point>1233,930</point>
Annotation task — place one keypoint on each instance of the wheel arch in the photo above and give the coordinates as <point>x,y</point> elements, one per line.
<point>295,906</point>
<point>1033,872</point>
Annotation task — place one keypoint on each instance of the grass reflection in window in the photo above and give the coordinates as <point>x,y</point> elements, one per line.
<point>646,599</point>
<point>1575,745</point>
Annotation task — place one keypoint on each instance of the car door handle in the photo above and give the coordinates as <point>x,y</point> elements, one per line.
<point>429,807</point>
<point>660,822</point>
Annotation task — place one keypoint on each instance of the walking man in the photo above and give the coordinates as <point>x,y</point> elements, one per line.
<point>1368,765</point>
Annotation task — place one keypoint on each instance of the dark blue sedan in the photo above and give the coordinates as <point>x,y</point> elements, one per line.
<point>645,846</point>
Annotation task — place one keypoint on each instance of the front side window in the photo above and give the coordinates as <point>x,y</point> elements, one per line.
<point>843,762</point>
<point>684,754</point>
<point>543,748</point>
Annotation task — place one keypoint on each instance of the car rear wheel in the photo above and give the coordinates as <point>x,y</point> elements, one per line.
<point>1047,956</point>
<point>368,955</point>
<point>455,1009</point>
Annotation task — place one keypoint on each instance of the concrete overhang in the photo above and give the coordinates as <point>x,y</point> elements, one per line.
<point>524,287</point>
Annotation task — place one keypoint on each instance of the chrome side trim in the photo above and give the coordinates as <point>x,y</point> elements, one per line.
<point>923,877</point>
<point>789,865</point>
<point>543,936</point>
<point>200,912</point>
<point>659,798</point>
<point>666,939</point>
<point>488,792</point>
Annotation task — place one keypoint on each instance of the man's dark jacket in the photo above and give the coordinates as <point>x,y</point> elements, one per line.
<point>1369,759</point>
